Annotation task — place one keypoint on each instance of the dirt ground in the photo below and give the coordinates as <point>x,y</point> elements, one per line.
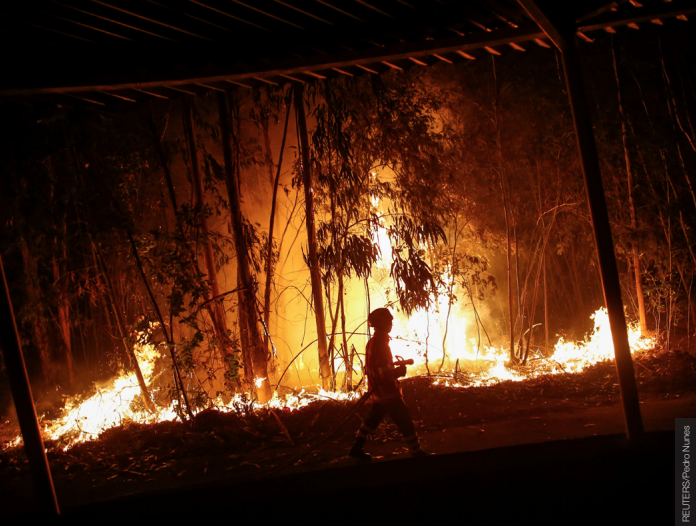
<point>222,446</point>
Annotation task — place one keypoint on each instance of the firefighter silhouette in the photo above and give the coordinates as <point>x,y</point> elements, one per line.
<point>383,382</point>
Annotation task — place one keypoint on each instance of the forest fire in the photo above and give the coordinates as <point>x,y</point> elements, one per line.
<point>430,262</point>
<point>488,365</point>
<point>207,257</point>
<point>118,401</point>
<point>112,405</point>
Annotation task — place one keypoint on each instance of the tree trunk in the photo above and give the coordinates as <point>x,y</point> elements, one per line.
<point>347,359</point>
<point>63,315</point>
<point>36,317</point>
<point>506,206</point>
<point>130,352</point>
<point>269,248</point>
<point>521,292</point>
<point>546,308</point>
<point>212,307</point>
<point>258,354</point>
<point>667,229</point>
<point>162,159</point>
<point>450,293</point>
<point>682,222</point>
<point>674,113</point>
<point>334,325</point>
<point>631,204</point>
<point>523,304</point>
<point>168,336</point>
<point>511,307</point>
<point>244,334</point>
<point>571,263</point>
<point>568,292</point>
<point>314,271</point>
<point>217,311</point>
<point>60,286</point>
<point>532,312</point>
<point>687,290</point>
<point>267,143</point>
<point>101,286</point>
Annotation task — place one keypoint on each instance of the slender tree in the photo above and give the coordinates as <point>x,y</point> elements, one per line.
<point>257,350</point>
<point>315,274</point>
<point>216,306</point>
<point>631,202</point>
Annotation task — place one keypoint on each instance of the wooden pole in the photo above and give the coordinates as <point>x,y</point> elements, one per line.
<point>314,272</point>
<point>24,403</point>
<point>603,240</point>
<point>506,207</point>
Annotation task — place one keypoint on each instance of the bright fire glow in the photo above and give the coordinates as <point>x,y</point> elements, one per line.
<point>118,401</point>
<point>112,405</point>
<point>574,357</point>
<point>568,357</point>
<point>115,402</point>
<point>440,332</point>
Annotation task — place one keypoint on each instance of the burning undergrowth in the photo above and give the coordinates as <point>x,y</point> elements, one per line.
<point>118,403</point>
<point>252,441</point>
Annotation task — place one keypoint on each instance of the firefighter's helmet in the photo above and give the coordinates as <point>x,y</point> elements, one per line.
<point>380,318</point>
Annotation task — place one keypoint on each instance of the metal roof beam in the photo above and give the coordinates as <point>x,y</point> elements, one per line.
<point>364,59</point>
<point>674,9</point>
<point>106,19</point>
<point>550,28</point>
<point>151,20</point>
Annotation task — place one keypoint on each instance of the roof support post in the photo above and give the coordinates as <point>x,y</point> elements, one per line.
<point>562,36</point>
<point>603,241</point>
<point>24,403</point>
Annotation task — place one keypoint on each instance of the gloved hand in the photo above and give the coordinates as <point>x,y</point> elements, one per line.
<point>399,371</point>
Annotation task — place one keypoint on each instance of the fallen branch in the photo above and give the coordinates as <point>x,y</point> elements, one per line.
<point>282,427</point>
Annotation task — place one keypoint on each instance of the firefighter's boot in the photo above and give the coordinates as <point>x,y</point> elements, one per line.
<point>357,450</point>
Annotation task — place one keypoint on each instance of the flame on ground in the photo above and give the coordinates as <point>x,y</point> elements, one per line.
<point>116,402</point>
<point>567,357</point>
<point>435,339</point>
<point>119,400</point>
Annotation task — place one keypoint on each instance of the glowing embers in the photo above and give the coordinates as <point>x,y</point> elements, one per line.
<point>292,401</point>
<point>303,398</point>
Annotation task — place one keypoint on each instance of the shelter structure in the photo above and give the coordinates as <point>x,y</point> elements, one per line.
<point>76,53</point>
